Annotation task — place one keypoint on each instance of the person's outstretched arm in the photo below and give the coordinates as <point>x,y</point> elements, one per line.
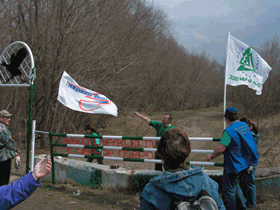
<point>136,114</point>
<point>13,194</point>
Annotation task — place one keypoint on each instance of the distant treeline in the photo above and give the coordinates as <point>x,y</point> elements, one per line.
<point>123,49</point>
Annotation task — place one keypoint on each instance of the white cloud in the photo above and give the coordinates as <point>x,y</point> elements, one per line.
<point>207,22</point>
<point>200,36</point>
<point>170,4</point>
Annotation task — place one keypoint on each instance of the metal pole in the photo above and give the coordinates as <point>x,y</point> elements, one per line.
<point>29,128</point>
<point>52,159</point>
<point>226,75</point>
<point>33,144</point>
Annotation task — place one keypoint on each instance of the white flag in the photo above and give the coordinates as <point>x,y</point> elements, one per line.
<point>245,66</point>
<point>75,97</point>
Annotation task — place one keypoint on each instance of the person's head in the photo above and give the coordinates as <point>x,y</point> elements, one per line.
<point>90,129</point>
<point>5,117</point>
<point>253,127</point>
<point>167,119</point>
<point>174,147</point>
<point>231,114</point>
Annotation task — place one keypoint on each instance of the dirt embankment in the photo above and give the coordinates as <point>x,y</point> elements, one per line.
<point>202,123</point>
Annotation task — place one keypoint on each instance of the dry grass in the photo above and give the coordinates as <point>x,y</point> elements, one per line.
<point>269,142</point>
<point>206,123</point>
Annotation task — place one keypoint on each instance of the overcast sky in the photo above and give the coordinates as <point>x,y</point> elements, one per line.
<point>204,24</point>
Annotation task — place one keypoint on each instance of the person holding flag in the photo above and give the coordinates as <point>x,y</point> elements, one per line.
<point>238,147</point>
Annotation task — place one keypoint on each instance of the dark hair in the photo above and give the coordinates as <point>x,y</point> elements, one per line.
<point>89,127</point>
<point>174,147</point>
<point>232,117</point>
<point>251,125</point>
<point>169,117</point>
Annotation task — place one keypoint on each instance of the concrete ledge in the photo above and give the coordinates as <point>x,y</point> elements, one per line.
<point>81,172</point>
<point>92,174</point>
<point>139,178</point>
<point>86,173</point>
<point>267,186</point>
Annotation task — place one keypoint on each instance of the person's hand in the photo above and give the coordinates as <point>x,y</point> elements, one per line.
<point>208,157</point>
<point>136,114</point>
<point>17,151</point>
<point>42,168</point>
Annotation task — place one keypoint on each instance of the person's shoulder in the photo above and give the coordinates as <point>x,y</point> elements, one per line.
<point>173,176</point>
<point>208,183</point>
<point>3,127</point>
<point>153,122</point>
<point>149,187</point>
<point>94,134</point>
<point>244,124</point>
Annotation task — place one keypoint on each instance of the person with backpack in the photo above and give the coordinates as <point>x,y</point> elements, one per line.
<point>238,147</point>
<point>179,187</point>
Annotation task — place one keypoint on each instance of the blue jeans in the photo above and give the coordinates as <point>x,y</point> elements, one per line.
<point>240,199</point>
<point>231,191</point>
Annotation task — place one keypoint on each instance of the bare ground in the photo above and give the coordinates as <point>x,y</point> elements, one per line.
<point>202,123</point>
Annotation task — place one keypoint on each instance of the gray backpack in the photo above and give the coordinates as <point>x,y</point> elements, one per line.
<point>202,202</point>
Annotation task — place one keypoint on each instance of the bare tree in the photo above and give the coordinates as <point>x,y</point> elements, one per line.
<point>123,49</point>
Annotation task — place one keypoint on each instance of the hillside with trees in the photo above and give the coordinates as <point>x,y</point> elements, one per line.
<point>124,49</point>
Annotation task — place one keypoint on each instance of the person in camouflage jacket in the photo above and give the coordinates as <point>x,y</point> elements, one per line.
<point>8,148</point>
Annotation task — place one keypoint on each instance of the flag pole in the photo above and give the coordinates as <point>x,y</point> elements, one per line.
<point>225,88</point>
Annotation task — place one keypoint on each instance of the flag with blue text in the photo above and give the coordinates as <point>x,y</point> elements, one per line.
<point>245,66</point>
<point>78,98</point>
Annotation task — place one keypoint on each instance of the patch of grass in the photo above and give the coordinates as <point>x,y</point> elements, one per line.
<point>124,199</point>
<point>271,202</point>
<point>269,142</point>
<point>205,122</point>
